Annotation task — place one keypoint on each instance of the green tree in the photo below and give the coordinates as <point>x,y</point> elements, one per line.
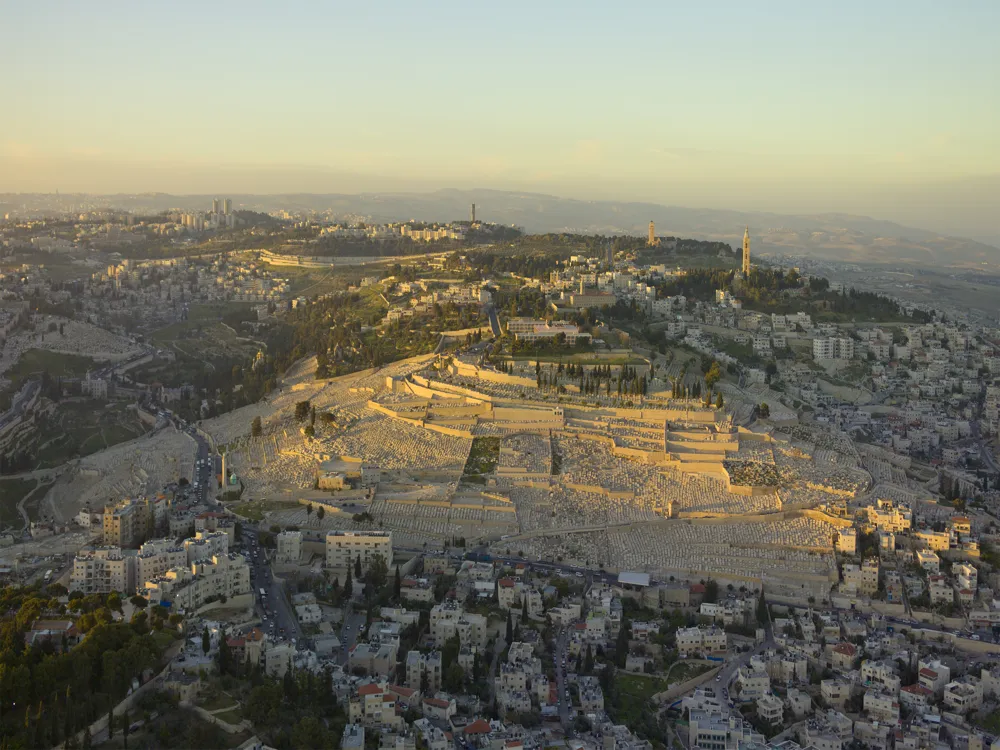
<point>357,567</point>
<point>764,410</point>
<point>256,428</point>
<point>206,641</point>
<point>348,585</point>
<point>713,375</point>
<point>320,513</point>
<point>718,401</point>
<point>711,591</point>
<point>397,586</point>
<point>509,635</point>
<point>378,573</point>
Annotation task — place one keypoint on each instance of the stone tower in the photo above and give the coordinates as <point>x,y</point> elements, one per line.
<point>746,252</point>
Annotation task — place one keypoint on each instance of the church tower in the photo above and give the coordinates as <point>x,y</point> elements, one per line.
<point>746,252</point>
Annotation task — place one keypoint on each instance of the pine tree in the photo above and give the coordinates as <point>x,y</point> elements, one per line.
<point>348,585</point>
<point>397,585</point>
<point>510,629</point>
<point>357,567</point>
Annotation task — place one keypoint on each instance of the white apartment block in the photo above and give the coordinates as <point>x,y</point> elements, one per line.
<point>881,705</point>
<point>289,547</point>
<point>157,556</point>
<point>449,619</point>
<point>418,665</point>
<point>102,570</point>
<point>701,640</point>
<point>227,575</point>
<point>529,329</point>
<point>832,347</point>
<point>343,548</point>
<point>863,578</point>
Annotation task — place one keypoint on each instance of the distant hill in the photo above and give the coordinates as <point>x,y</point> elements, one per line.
<point>843,237</point>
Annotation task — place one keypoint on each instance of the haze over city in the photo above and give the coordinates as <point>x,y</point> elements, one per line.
<point>499,376</point>
<point>885,109</point>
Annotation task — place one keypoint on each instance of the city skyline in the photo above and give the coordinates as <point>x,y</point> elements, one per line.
<point>885,111</point>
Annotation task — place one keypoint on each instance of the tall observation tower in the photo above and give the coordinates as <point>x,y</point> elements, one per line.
<point>746,252</point>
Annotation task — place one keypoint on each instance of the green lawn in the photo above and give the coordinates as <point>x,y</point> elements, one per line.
<point>79,428</point>
<point>232,717</point>
<point>218,702</point>
<point>632,694</point>
<point>255,509</point>
<point>685,672</point>
<point>56,364</point>
<point>483,456</point>
<point>991,723</point>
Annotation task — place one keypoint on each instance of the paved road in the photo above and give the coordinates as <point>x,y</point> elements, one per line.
<point>562,687</point>
<point>494,320</point>
<point>498,646</point>
<point>350,629</point>
<point>281,620</point>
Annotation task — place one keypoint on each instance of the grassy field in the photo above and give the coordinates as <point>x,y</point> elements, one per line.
<point>483,456</point>
<point>255,509</point>
<point>991,723</point>
<point>56,364</point>
<point>79,428</point>
<point>232,717</point>
<point>218,702</point>
<point>12,491</point>
<point>632,694</point>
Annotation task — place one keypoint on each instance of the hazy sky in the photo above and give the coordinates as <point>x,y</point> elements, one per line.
<point>886,107</point>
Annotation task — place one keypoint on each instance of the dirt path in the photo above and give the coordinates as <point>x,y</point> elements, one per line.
<point>20,505</point>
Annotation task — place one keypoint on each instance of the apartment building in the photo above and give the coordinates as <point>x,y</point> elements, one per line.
<point>698,640</point>
<point>423,666</point>
<point>344,548</point>
<point>102,570</point>
<point>157,556</point>
<point>963,696</point>
<point>128,523</point>
<point>753,682</point>
<point>201,582</point>
<point>529,329</point>
<point>449,619</point>
<point>881,705</point>
<point>863,578</point>
<point>835,692</point>
<point>833,347</point>
<point>289,549</point>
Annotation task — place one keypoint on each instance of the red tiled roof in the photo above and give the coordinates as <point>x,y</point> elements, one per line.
<point>847,649</point>
<point>403,692</point>
<point>436,702</point>
<point>370,689</point>
<point>697,588</point>
<point>925,672</point>
<point>917,690</point>
<point>506,583</point>
<point>479,726</point>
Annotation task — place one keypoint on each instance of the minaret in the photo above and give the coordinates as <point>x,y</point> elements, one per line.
<point>746,252</point>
